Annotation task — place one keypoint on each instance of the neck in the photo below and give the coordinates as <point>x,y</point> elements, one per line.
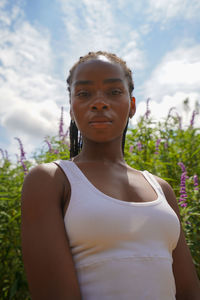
<point>104,152</point>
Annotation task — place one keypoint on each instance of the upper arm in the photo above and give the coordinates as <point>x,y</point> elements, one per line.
<point>187,283</point>
<point>46,253</point>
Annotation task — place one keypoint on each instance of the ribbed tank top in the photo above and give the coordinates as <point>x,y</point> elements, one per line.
<point>121,250</point>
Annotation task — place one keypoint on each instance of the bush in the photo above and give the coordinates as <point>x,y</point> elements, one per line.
<point>162,148</point>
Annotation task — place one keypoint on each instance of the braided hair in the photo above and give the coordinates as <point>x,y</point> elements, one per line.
<point>75,135</point>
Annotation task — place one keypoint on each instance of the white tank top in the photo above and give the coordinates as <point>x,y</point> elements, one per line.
<point>121,250</point>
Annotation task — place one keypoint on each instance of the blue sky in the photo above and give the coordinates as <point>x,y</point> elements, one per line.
<point>41,40</point>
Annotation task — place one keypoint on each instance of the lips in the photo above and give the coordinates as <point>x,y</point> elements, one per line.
<point>100,122</point>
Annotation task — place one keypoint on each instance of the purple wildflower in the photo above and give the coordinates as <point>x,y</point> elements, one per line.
<point>157,146</point>
<point>6,153</point>
<point>192,119</point>
<point>166,145</point>
<point>188,223</point>
<point>24,166</point>
<point>56,151</point>
<point>49,145</point>
<point>61,123</point>
<point>147,109</point>
<point>182,166</point>
<point>196,183</point>
<point>139,146</point>
<point>22,153</point>
<point>131,149</point>
<point>183,193</point>
<point>179,121</point>
<point>2,153</point>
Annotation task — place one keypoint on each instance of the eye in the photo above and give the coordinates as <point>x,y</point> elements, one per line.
<point>83,94</point>
<point>116,92</point>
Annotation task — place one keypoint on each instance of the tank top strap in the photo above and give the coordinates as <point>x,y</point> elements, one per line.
<point>152,180</point>
<point>69,169</point>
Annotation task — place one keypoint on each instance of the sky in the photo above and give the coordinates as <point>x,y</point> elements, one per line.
<point>40,40</point>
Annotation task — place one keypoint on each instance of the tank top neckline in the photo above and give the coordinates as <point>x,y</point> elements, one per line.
<point>146,175</point>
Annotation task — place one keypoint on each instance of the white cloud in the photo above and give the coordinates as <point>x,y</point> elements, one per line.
<point>179,71</point>
<point>163,10</point>
<point>94,25</point>
<point>173,80</point>
<point>31,96</point>
<point>131,53</point>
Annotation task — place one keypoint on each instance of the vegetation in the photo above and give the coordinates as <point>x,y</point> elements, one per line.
<point>164,149</point>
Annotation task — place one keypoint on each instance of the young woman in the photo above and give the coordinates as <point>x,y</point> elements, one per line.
<point>93,228</point>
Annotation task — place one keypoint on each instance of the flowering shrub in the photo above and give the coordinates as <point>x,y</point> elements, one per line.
<point>164,149</point>
<point>172,153</point>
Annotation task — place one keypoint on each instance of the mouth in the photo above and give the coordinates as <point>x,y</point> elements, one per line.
<point>100,122</point>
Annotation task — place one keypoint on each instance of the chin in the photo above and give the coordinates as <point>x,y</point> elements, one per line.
<point>102,139</point>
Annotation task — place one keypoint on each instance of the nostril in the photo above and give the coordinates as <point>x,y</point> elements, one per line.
<point>99,106</point>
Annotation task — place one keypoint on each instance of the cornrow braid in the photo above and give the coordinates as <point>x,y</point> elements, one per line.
<point>75,139</point>
<point>75,136</point>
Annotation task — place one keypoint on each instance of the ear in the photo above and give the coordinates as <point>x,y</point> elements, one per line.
<point>132,107</point>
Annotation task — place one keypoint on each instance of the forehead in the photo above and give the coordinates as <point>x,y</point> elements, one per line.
<point>98,69</point>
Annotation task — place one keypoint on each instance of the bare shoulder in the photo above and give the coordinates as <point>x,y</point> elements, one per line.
<point>45,171</point>
<point>43,181</point>
<point>46,253</point>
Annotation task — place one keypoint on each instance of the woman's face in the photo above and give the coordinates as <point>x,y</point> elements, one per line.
<point>100,100</point>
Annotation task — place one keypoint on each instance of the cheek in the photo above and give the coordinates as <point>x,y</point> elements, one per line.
<point>124,110</point>
<point>78,114</point>
<point>75,108</point>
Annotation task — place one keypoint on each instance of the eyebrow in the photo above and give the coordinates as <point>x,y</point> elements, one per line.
<point>83,82</point>
<point>111,80</point>
<point>90,82</point>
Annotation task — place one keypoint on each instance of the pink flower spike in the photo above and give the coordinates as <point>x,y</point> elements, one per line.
<point>61,123</point>
<point>2,153</point>
<point>166,145</point>
<point>183,204</point>
<point>182,190</point>
<point>195,178</point>
<point>6,153</point>
<point>147,109</point>
<point>131,149</point>
<point>22,153</point>
<point>182,166</point>
<point>139,146</point>
<point>179,121</point>
<point>192,119</point>
<point>49,145</point>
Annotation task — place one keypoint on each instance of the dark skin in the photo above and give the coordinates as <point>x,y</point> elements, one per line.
<point>100,105</point>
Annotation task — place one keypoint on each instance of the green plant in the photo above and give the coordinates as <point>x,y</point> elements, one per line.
<point>157,147</point>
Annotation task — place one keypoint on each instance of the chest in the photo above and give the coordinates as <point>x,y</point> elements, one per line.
<point>122,184</point>
<point>94,220</point>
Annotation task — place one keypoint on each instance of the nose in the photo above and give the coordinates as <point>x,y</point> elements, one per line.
<point>99,105</point>
<point>99,102</point>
